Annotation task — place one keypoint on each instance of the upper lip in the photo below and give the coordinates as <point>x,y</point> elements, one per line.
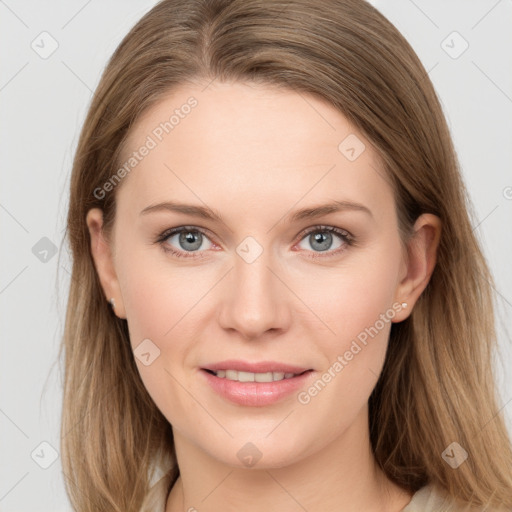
<point>256,367</point>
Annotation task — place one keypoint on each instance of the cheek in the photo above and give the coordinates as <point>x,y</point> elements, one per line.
<point>158,295</point>
<point>354,303</point>
<point>360,314</point>
<point>350,298</point>
<point>162,303</point>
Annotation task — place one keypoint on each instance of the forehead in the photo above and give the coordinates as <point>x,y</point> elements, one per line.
<point>257,143</point>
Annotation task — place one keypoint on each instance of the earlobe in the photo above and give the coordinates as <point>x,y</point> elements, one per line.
<point>103,260</point>
<point>421,261</point>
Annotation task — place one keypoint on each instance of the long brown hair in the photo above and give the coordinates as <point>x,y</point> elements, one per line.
<point>437,385</point>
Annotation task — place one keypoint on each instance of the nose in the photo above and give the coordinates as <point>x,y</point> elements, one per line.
<point>256,301</point>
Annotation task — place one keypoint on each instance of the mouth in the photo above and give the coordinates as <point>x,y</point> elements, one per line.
<point>267,384</point>
<point>242,376</point>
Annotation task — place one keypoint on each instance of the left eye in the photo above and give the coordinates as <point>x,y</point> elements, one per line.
<point>321,238</point>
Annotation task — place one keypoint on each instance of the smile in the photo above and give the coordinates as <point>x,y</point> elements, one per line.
<point>255,389</point>
<point>253,377</point>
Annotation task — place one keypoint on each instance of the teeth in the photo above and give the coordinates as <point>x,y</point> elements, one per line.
<point>264,377</point>
<point>253,377</point>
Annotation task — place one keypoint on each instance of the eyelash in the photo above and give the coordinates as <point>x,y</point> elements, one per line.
<point>348,239</point>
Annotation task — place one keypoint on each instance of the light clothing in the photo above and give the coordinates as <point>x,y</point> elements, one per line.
<point>156,498</point>
<point>427,499</point>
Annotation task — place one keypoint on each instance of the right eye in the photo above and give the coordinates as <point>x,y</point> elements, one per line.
<point>188,239</point>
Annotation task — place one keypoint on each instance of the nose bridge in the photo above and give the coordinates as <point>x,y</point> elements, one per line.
<point>254,302</point>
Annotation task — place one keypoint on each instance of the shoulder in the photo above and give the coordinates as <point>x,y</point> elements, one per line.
<point>427,499</point>
<point>432,499</point>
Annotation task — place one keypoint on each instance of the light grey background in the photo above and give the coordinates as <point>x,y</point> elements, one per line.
<point>43,104</point>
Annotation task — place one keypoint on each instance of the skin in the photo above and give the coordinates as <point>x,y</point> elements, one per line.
<point>255,154</point>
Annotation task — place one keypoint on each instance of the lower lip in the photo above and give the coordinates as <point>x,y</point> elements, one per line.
<point>256,394</point>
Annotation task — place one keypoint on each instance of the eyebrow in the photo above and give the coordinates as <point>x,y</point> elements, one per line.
<point>205,212</point>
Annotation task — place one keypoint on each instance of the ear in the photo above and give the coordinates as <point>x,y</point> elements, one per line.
<point>103,260</point>
<point>419,262</point>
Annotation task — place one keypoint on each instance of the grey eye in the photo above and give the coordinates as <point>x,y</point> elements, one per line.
<point>189,240</point>
<point>320,240</point>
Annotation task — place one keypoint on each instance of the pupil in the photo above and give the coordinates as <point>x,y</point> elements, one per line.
<point>190,237</point>
<point>323,239</point>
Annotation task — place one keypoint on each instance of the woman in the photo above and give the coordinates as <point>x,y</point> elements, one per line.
<point>277,297</point>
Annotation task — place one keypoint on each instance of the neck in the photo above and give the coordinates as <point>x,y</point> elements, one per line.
<point>340,475</point>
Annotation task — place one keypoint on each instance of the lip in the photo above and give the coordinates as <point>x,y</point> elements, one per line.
<point>257,394</point>
<point>257,367</point>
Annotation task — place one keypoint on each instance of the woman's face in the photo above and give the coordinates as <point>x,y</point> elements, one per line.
<point>256,286</point>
